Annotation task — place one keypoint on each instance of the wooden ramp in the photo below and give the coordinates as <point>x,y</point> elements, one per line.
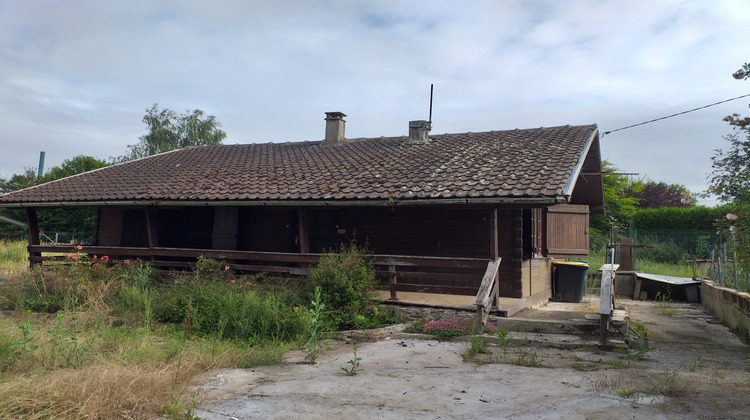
<point>508,306</point>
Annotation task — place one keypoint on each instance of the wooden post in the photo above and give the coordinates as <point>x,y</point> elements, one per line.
<point>304,236</point>
<point>392,279</point>
<point>33,231</point>
<point>606,306</point>
<point>494,239</point>
<point>152,230</point>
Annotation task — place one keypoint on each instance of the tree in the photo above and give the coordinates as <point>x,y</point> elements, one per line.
<point>653,195</point>
<point>73,166</point>
<point>62,219</point>
<point>18,181</point>
<point>168,131</point>
<point>730,180</point>
<point>620,206</point>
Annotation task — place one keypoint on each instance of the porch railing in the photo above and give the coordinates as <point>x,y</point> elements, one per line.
<point>488,297</point>
<point>403,273</point>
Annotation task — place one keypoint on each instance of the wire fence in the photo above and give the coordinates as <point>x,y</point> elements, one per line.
<point>75,237</point>
<point>706,252</point>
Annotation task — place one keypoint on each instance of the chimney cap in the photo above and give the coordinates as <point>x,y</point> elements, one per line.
<point>335,115</point>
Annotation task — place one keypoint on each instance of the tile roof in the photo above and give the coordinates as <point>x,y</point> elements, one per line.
<point>529,163</point>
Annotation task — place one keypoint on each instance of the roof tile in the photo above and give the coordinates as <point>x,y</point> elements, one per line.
<point>515,163</point>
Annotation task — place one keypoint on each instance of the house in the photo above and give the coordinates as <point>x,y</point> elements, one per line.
<point>435,209</point>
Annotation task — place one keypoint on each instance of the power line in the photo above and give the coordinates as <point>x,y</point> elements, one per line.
<point>674,115</point>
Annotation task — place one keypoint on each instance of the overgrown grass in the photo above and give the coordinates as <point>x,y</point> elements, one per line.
<point>91,338</point>
<point>129,372</point>
<point>13,259</point>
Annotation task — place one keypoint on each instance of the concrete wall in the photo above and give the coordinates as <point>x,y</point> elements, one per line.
<point>729,305</point>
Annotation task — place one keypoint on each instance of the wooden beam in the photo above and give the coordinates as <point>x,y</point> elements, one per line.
<point>304,235</point>
<point>494,236</point>
<point>152,229</point>
<point>33,230</point>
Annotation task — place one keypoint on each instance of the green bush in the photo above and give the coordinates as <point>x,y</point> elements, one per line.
<point>690,218</point>
<point>347,281</point>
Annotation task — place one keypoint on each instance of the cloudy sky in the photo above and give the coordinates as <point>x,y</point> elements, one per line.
<point>77,76</point>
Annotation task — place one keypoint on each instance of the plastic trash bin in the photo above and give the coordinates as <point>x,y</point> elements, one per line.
<point>569,280</point>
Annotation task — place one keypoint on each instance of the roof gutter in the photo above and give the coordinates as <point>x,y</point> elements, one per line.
<point>568,188</point>
<point>299,203</point>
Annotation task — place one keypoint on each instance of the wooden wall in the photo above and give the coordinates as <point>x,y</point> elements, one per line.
<point>440,231</point>
<point>109,226</point>
<point>537,279</point>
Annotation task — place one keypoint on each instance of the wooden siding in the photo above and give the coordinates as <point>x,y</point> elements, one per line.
<point>267,229</point>
<point>109,226</point>
<point>567,230</point>
<point>537,279</point>
<point>427,231</point>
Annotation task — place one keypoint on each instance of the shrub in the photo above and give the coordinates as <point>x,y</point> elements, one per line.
<point>347,279</point>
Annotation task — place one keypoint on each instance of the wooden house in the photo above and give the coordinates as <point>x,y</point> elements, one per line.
<point>436,210</point>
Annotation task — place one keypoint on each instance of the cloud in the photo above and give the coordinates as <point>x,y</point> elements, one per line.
<point>77,76</point>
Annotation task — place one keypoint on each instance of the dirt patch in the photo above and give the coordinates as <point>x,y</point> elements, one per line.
<point>698,369</point>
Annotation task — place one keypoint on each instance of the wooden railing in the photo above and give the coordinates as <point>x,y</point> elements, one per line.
<point>489,293</point>
<point>404,273</point>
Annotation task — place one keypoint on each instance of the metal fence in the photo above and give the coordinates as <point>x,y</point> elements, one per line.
<point>710,254</point>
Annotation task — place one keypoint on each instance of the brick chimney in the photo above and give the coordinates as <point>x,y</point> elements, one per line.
<point>335,126</point>
<point>418,131</point>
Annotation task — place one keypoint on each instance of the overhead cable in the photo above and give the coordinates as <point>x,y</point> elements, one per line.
<point>674,115</point>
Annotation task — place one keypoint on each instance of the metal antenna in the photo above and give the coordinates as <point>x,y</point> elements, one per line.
<point>429,127</point>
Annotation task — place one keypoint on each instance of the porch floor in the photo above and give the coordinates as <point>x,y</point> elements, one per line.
<point>508,306</point>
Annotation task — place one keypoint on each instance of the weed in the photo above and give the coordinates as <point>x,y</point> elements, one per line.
<point>316,334</point>
<point>177,408</point>
<point>605,384</point>
<point>526,358</point>
<point>477,345</point>
<point>696,363</point>
<point>637,343</point>
<point>353,368</point>
<point>65,344</point>
<point>668,383</point>
<point>582,367</point>
<point>664,301</point>
<point>617,363</point>
<point>25,348</point>
<point>627,392</point>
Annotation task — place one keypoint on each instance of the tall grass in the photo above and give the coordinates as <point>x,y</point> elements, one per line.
<point>130,373</point>
<point>116,340</point>
<point>13,259</point>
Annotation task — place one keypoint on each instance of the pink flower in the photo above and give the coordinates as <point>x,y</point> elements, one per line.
<point>79,246</point>
<point>226,268</point>
<point>73,256</point>
<point>127,261</point>
<point>249,284</point>
<point>105,258</point>
<point>231,281</point>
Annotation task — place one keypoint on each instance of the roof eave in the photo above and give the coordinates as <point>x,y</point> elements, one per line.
<point>299,203</point>
<point>570,184</point>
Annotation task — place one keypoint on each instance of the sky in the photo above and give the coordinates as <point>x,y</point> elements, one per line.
<point>76,77</point>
